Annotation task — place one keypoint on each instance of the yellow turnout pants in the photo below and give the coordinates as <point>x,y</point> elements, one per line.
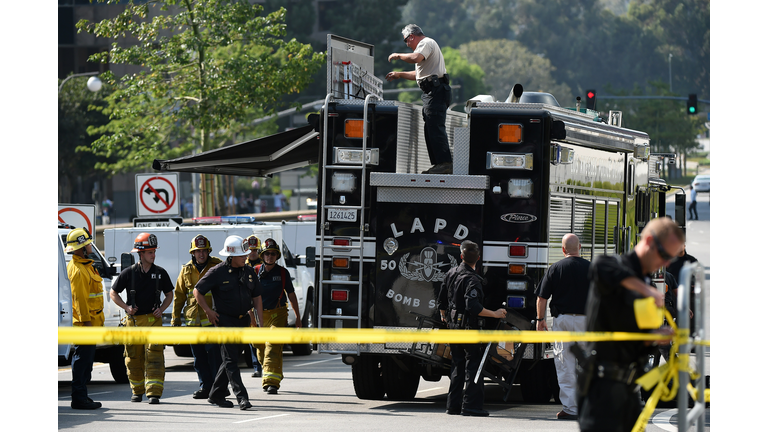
<point>145,363</point>
<point>271,355</point>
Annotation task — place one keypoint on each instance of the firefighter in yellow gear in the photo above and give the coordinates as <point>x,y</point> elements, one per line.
<point>87,310</point>
<point>276,285</point>
<point>254,260</point>
<point>207,357</point>
<point>144,282</point>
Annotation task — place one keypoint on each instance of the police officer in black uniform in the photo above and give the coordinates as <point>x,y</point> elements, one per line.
<point>235,290</point>
<point>461,295</point>
<point>608,398</point>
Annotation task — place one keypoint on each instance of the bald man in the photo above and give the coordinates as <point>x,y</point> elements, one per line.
<point>567,282</point>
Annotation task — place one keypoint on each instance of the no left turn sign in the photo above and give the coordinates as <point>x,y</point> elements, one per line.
<point>157,194</point>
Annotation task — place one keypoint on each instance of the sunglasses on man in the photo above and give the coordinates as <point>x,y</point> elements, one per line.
<point>662,252</point>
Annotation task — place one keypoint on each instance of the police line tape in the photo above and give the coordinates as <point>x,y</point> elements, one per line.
<point>230,335</point>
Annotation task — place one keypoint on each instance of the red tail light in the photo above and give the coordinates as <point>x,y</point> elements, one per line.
<point>339,295</point>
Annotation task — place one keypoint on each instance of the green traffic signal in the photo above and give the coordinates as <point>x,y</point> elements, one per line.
<point>693,104</point>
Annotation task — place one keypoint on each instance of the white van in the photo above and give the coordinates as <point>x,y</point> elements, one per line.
<point>173,252</point>
<point>113,314</point>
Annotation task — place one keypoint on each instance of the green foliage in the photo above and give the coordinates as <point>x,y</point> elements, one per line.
<point>507,63</point>
<point>207,68</point>
<point>671,128</point>
<point>74,118</point>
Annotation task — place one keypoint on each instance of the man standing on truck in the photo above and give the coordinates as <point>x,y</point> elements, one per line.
<point>207,357</point>
<point>619,288</point>
<point>433,81</point>
<point>144,281</point>
<point>276,286</point>
<point>235,290</point>
<point>566,281</point>
<point>461,307</point>
<point>87,310</point>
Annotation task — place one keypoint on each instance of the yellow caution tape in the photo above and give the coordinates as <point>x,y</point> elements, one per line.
<point>223,335</point>
<point>666,377</point>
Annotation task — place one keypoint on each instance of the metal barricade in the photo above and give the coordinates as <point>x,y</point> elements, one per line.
<point>697,413</point>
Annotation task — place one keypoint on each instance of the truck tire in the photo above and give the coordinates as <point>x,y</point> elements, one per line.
<point>536,382</point>
<point>117,366</point>
<point>367,378</point>
<point>183,350</point>
<point>307,322</point>
<point>399,384</point>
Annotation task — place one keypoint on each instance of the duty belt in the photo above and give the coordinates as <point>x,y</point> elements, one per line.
<point>617,372</point>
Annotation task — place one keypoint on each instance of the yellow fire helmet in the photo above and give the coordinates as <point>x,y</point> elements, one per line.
<point>253,242</point>
<point>270,245</point>
<point>647,314</point>
<point>200,242</point>
<point>78,238</point>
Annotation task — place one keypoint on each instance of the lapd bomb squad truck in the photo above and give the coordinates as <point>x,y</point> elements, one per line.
<point>526,171</point>
<point>174,244</point>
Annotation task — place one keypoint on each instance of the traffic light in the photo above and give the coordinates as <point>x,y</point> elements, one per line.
<point>693,104</point>
<point>591,95</point>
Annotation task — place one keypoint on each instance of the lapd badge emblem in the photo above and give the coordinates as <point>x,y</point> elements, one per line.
<point>426,269</point>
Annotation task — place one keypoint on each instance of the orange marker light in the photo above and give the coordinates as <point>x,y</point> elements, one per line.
<point>353,128</point>
<point>511,133</point>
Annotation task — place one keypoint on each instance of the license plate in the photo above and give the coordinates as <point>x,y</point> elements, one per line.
<point>342,215</point>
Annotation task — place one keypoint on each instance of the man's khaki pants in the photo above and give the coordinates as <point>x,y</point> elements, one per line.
<point>145,363</point>
<point>271,355</point>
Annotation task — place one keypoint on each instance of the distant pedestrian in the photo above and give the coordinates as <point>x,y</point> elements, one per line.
<point>692,207</point>
<point>567,282</point>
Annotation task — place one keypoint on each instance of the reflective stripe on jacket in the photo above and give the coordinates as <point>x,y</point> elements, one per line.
<point>184,301</point>
<point>87,292</point>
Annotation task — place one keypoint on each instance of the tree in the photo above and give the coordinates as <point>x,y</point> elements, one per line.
<point>507,63</point>
<point>666,121</point>
<point>74,141</point>
<point>682,29</point>
<point>207,68</point>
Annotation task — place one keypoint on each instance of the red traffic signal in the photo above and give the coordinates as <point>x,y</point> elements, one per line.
<point>591,99</point>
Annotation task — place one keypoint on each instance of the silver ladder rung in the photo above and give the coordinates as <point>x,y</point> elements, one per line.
<point>341,317</point>
<point>333,282</point>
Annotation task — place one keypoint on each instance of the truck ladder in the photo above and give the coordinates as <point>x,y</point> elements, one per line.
<point>325,283</point>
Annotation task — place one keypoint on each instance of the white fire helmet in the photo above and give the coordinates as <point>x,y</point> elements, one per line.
<point>235,246</point>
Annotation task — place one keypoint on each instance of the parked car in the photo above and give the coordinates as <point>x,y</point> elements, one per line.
<point>701,183</point>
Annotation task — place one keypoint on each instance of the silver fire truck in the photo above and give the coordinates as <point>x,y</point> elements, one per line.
<point>526,171</point>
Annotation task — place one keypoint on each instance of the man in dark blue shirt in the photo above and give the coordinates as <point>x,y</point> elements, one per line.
<point>608,398</point>
<point>460,302</point>
<point>236,291</point>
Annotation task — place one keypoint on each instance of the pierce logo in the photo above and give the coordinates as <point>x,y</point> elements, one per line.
<point>518,218</point>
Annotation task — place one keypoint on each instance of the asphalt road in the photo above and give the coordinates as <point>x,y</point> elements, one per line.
<point>317,394</point>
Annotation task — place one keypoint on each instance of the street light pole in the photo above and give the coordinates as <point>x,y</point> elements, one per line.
<point>670,72</point>
<point>94,84</point>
